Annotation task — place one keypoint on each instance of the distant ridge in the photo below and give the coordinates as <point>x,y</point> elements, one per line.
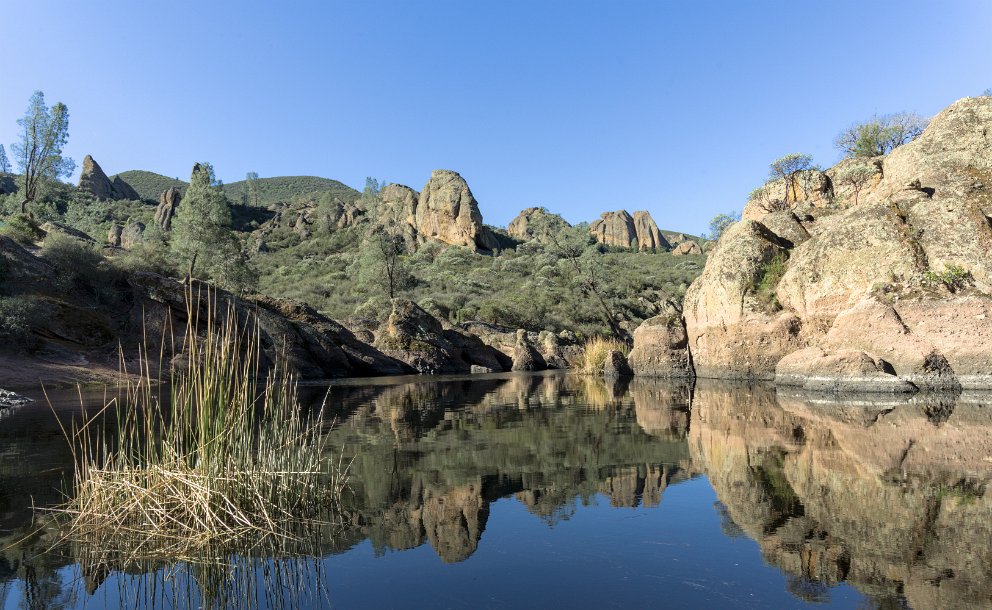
<point>150,185</point>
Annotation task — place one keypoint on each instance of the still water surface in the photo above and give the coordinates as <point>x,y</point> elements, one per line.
<point>541,491</point>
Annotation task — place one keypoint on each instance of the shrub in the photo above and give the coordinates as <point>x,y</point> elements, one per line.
<point>22,229</point>
<point>74,260</point>
<point>953,277</point>
<point>767,281</point>
<point>595,351</point>
<point>17,315</point>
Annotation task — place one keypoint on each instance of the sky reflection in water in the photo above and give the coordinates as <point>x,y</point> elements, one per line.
<point>553,490</point>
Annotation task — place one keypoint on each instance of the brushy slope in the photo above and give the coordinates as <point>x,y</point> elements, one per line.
<point>285,188</point>
<point>149,184</point>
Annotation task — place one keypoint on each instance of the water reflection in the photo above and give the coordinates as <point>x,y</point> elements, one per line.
<point>886,495</point>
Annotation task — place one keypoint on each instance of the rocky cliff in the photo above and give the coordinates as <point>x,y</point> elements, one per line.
<point>883,286</point>
<point>621,230</point>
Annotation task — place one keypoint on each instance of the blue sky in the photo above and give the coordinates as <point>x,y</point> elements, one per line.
<point>580,106</point>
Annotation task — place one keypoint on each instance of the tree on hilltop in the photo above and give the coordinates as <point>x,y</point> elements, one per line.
<point>44,132</point>
<point>4,162</point>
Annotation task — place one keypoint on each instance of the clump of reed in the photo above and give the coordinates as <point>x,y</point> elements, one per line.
<point>595,351</point>
<point>221,457</point>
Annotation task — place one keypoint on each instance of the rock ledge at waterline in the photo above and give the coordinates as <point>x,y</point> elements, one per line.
<point>886,290</point>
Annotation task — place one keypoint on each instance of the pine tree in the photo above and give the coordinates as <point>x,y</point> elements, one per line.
<point>44,132</point>
<point>4,162</point>
<point>201,230</point>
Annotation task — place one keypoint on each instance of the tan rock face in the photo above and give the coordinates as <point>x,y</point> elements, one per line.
<point>621,230</point>
<point>647,233</point>
<point>448,212</point>
<point>398,212</point>
<point>661,348</point>
<point>920,235</point>
<point>93,180</point>
<point>811,188</point>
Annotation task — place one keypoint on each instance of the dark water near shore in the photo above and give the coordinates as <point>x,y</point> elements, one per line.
<point>534,491</point>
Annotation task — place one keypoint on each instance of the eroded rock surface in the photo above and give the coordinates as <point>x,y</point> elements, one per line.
<point>891,284</point>
<point>448,212</point>
<point>621,230</point>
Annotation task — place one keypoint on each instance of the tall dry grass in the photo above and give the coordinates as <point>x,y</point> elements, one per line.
<point>594,354</point>
<point>220,460</point>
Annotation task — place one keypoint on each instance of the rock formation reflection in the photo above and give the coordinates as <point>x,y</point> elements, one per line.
<point>887,494</point>
<point>883,494</point>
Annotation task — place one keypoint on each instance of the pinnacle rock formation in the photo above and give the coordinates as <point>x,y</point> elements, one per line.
<point>93,180</point>
<point>621,230</point>
<point>168,201</point>
<point>448,212</point>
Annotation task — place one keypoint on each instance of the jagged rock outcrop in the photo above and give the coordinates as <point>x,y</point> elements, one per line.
<point>621,230</point>
<point>168,202</point>
<point>534,223</point>
<point>686,248</point>
<point>413,336</point>
<point>448,212</point>
<point>890,290</point>
<point>58,227</point>
<point>398,213</point>
<point>93,180</point>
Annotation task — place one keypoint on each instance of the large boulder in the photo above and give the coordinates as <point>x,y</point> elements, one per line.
<point>416,338</point>
<point>92,179</point>
<point>448,212</point>
<point>525,355</point>
<point>661,347</point>
<point>731,331</point>
<point>687,248</point>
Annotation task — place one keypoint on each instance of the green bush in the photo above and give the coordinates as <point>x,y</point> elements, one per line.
<point>17,315</point>
<point>22,228</point>
<point>770,274</point>
<point>953,277</point>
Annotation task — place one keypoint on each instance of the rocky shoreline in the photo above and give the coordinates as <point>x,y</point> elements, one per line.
<point>884,289</point>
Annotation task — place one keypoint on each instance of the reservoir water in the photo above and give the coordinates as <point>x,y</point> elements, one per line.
<point>556,490</point>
